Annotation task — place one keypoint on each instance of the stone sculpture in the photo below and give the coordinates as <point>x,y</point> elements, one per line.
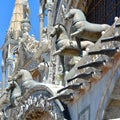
<point>29,51</point>
<point>26,10</point>
<point>22,55</point>
<point>32,45</point>
<point>25,28</point>
<point>44,45</point>
<point>43,68</point>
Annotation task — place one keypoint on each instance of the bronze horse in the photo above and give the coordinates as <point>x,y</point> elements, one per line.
<point>64,45</point>
<point>82,28</point>
<point>19,83</point>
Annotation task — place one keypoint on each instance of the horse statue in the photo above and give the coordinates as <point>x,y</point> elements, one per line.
<point>64,45</point>
<point>82,28</point>
<point>25,79</point>
<point>19,83</point>
<point>15,93</point>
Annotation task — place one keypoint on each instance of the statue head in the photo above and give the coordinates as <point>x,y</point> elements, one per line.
<point>11,33</point>
<point>16,51</point>
<point>25,26</point>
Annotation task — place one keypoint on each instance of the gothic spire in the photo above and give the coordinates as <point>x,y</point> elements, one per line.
<point>18,16</point>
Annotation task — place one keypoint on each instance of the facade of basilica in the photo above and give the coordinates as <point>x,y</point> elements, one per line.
<point>72,72</point>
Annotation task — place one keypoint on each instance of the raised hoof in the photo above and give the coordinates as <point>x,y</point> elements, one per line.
<point>72,35</point>
<point>54,54</point>
<point>5,115</point>
<point>75,33</point>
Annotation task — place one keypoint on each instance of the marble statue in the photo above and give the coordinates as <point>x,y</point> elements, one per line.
<point>25,27</point>
<point>44,46</point>
<point>82,28</point>
<point>22,56</point>
<point>32,45</point>
<point>29,50</point>
<point>26,10</point>
<point>44,69</point>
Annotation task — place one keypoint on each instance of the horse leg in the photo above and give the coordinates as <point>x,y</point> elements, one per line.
<point>79,46</point>
<point>63,71</point>
<point>81,29</point>
<point>85,44</point>
<point>5,109</point>
<point>59,51</point>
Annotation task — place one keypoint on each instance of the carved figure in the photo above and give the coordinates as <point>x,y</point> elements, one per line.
<point>43,68</point>
<point>82,28</point>
<point>26,10</point>
<point>15,92</point>
<point>44,47</point>
<point>25,27</point>
<point>64,45</point>
<point>22,56</point>
<point>44,35</point>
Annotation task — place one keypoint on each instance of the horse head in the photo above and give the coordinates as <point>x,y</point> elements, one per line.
<point>57,30</point>
<point>76,14</point>
<point>69,15</point>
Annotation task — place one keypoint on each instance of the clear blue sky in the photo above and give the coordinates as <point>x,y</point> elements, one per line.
<point>6,9</point>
